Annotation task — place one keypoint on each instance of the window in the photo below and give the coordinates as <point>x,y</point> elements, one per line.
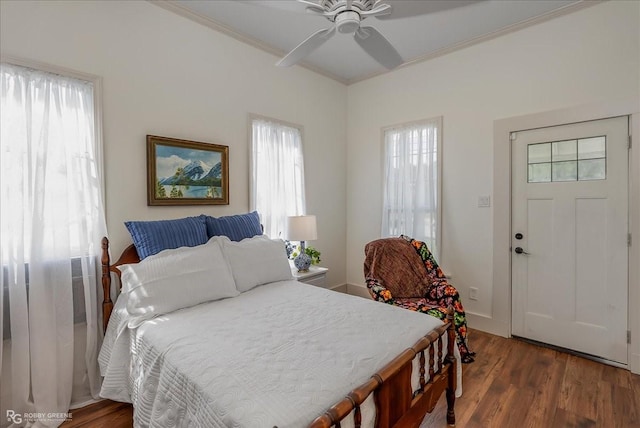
<point>571,160</point>
<point>411,202</point>
<point>277,174</point>
<point>51,184</point>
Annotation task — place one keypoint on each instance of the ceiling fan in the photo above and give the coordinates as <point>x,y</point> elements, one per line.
<point>347,17</point>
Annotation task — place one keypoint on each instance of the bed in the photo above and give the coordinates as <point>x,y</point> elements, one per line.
<point>281,354</point>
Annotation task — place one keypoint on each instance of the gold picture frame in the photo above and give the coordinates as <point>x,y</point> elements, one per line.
<point>182,172</point>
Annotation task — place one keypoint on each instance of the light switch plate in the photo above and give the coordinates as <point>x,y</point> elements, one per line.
<point>484,201</point>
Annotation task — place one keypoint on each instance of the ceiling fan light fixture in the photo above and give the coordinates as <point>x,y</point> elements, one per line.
<point>347,16</point>
<point>347,22</point>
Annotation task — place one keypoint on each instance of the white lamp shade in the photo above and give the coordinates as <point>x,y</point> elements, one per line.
<point>302,228</point>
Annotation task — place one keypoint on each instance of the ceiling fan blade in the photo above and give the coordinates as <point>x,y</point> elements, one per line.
<point>292,6</point>
<point>312,43</point>
<point>376,45</point>
<point>405,9</point>
<point>313,6</point>
<point>317,9</point>
<point>381,10</point>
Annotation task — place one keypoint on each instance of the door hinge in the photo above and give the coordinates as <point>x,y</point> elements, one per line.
<point>629,336</point>
<point>628,240</point>
<point>629,142</point>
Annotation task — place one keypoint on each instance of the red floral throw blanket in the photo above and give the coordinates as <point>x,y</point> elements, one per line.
<point>438,297</point>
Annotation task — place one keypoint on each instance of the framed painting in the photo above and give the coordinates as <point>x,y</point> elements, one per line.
<point>181,172</point>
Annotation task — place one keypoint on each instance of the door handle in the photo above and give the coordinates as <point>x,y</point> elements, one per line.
<point>519,250</point>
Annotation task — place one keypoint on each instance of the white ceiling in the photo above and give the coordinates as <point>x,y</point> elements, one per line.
<point>418,29</point>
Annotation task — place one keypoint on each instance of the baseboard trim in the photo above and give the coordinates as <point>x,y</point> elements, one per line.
<point>634,364</point>
<point>342,288</point>
<point>75,406</point>
<point>358,290</point>
<point>487,324</point>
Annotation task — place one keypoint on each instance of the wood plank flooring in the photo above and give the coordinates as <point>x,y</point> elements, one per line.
<point>105,414</point>
<point>511,384</point>
<point>517,384</point>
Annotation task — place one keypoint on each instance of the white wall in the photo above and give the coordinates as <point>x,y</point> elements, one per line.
<point>165,75</point>
<point>590,56</point>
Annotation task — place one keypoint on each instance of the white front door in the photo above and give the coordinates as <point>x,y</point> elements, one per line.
<point>570,236</point>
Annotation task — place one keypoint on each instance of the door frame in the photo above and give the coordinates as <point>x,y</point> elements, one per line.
<point>500,321</point>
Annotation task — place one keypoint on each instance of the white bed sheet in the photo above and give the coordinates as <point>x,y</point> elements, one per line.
<point>242,362</point>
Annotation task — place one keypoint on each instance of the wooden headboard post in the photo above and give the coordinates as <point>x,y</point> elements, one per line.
<point>107,304</point>
<point>129,255</point>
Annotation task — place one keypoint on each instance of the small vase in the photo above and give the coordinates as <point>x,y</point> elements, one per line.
<point>302,262</point>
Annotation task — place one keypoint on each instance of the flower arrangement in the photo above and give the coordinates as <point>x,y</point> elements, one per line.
<point>294,249</point>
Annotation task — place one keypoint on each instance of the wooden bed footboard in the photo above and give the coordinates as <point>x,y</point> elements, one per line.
<point>396,404</point>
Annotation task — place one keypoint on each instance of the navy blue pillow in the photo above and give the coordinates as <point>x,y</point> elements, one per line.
<point>236,227</point>
<point>151,237</point>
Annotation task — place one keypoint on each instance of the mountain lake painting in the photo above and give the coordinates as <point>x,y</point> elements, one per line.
<point>186,172</point>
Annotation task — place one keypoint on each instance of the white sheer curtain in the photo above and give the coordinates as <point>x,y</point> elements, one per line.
<point>277,174</point>
<point>411,203</point>
<point>51,219</point>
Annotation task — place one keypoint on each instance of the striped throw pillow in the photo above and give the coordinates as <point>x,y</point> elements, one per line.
<point>235,227</point>
<point>151,237</point>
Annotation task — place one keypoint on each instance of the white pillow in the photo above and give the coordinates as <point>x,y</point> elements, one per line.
<point>255,261</point>
<point>176,278</point>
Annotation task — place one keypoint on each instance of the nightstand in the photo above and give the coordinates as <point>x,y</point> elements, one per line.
<point>316,276</point>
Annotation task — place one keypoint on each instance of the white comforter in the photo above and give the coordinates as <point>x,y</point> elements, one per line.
<point>278,355</point>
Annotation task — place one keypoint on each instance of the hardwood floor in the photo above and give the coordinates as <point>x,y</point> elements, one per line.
<point>511,384</point>
<point>516,384</point>
<point>105,414</point>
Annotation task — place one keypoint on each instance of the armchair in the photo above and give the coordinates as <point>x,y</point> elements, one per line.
<point>403,272</point>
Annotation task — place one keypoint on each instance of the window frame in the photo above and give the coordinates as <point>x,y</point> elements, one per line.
<point>96,81</point>
<point>97,105</point>
<point>251,117</point>
<point>438,121</point>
